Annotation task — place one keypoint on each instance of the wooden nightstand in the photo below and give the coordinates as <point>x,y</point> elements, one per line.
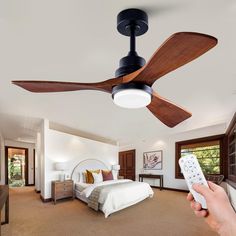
<point>62,189</point>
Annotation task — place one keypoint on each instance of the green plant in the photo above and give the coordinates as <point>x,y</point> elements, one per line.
<point>208,158</point>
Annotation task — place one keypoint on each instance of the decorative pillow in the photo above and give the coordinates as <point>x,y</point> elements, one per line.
<point>90,179</point>
<point>107,175</point>
<point>98,178</point>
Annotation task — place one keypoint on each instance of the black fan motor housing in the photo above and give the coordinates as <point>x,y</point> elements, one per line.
<point>129,64</point>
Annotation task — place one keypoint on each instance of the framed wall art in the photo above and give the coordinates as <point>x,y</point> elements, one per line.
<point>152,160</point>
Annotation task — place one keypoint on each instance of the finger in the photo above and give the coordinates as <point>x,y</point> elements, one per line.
<point>192,205</point>
<point>203,190</point>
<point>202,213</point>
<point>189,197</point>
<point>197,206</point>
<point>213,186</point>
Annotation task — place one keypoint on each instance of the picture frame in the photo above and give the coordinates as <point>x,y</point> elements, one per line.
<point>153,160</point>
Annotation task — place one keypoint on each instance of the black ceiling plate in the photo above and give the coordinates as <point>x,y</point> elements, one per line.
<point>132,17</point>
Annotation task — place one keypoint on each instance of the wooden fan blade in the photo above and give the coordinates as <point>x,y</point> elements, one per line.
<point>56,86</point>
<point>168,113</point>
<point>175,52</point>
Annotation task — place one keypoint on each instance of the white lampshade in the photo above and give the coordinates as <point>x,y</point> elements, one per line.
<point>60,166</point>
<point>116,167</point>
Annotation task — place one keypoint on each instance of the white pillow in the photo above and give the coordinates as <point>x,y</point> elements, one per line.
<point>82,177</point>
<point>115,174</point>
<point>98,178</point>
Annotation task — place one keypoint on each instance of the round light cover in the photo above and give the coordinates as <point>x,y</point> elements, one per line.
<point>132,95</point>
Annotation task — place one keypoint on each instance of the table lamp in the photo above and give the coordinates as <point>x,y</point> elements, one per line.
<point>116,169</point>
<point>61,166</point>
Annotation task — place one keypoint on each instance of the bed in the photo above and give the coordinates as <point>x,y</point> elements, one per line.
<point>112,195</point>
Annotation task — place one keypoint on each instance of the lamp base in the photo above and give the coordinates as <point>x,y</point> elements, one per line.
<point>62,177</point>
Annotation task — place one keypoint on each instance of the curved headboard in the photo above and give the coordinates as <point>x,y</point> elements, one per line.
<point>87,164</point>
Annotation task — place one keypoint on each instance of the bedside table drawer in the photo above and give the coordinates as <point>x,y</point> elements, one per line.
<point>64,187</point>
<point>63,184</point>
<point>68,193</point>
<point>64,194</point>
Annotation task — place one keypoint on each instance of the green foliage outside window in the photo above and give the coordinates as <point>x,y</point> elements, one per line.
<point>208,158</point>
<point>14,172</point>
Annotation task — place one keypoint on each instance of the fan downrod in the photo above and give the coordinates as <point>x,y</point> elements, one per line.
<point>132,23</point>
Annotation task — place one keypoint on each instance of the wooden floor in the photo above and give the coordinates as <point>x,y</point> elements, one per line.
<point>167,213</point>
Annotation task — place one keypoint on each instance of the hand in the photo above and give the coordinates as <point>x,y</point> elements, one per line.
<point>220,215</point>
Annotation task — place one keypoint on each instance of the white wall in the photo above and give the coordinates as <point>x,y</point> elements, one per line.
<point>41,161</point>
<point>2,160</point>
<point>38,162</point>
<point>30,147</point>
<point>60,146</point>
<point>167,144</point>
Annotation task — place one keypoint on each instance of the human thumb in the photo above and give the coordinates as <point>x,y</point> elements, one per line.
<point>203,190</point>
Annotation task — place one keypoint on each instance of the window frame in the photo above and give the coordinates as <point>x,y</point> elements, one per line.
<point>231,127</point>
<point>220,137</point>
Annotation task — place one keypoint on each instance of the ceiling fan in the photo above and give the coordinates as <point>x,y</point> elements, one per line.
<point>131,87</point>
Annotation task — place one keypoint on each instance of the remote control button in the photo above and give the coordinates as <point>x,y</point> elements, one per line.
<point>186,168</point>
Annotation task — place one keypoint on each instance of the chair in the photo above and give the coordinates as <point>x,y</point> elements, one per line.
<point>217,179</point>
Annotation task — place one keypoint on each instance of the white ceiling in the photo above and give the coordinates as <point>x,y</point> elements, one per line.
<point>78,41</point>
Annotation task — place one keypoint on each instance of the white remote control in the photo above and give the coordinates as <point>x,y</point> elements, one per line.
<point>193,175</point>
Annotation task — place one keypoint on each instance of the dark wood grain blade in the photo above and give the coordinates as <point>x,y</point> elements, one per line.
<point>175,52</point>
<point>56,86</point>
<point>167,112</point>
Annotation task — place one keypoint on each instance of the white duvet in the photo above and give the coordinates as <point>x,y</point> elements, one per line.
<point>116,198</point>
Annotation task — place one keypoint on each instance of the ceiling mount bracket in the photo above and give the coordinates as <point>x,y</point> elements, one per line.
<point>129,18</point>
<point>132,23</point>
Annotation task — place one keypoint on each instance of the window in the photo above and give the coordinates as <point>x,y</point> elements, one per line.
<point>231,133</point>
<point>209,152</point>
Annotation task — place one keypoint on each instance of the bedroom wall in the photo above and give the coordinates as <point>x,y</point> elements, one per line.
<point>31,148</point>
<point>61,146</point>
<point>40,174</point>
<point>167,144</point>
<point>38,162</point>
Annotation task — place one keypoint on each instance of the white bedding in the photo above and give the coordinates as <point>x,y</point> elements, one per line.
<point>81,186</point>
<point>117,198</point>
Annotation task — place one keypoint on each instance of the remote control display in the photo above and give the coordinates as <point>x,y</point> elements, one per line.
<point>193,175</point>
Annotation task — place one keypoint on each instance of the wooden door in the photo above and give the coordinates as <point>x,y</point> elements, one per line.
<point>127,164</point>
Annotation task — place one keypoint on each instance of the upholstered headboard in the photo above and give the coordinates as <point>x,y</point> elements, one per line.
<point>87,164</point>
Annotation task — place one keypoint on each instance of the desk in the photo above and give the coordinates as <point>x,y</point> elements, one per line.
<point>4,199</point>
<point>150,176</point>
